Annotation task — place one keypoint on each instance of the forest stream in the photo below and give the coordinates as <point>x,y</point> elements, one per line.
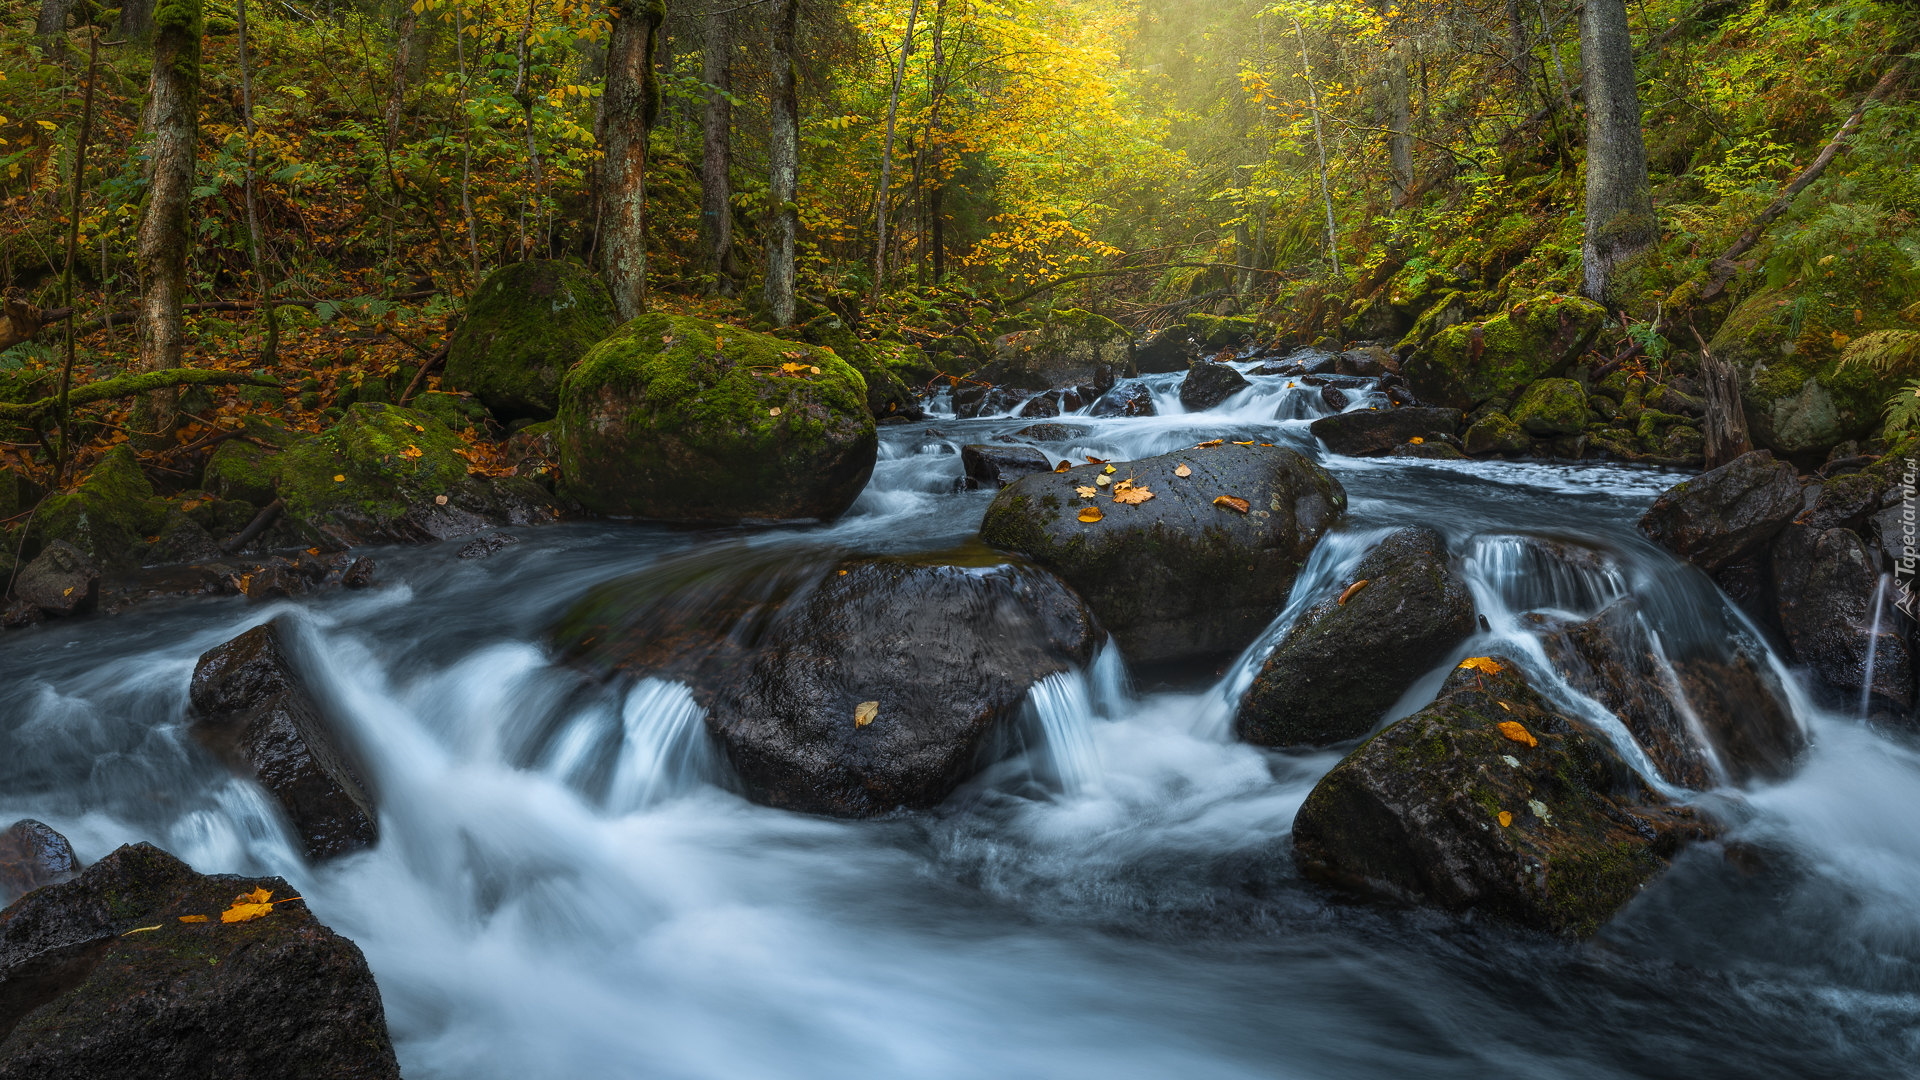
<point>567,883</point>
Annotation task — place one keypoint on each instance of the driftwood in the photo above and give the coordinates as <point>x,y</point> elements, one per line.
<point>128,386</point>
<point>1726,422</point>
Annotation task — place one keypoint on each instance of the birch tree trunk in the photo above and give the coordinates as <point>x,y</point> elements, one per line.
<point>886,153</point>
<point>173,122</point>
<point>627,106</point>
<point>716,159</point>
<point>1620,219</point>
<point>783,153</point>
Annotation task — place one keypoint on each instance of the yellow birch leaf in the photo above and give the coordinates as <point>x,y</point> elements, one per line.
<point>1506,819</point>
<point>866,713</point>
<point>1132,495</point>
<point>1086,491</point>
<point>1090,514</point>
<point>1485,665</point>
<point>1517,732</point>
<point>1182,471</point>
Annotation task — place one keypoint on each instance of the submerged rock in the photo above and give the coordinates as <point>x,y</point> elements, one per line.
<point>524,326</point>
<point>256,713</point>
<point>1721,517</point>
<point>1179,576</point>
<point>1208,384</point>
<point>684,419</point>
<point>893,681</point>
<point>1342,665</point>
<point>1378,431</point>
<point>1541,824</point>
<point>994,467</point>
<point>100,978</point>
<point>32,855</point>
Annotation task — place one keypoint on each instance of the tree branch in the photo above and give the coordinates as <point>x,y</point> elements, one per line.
<point>129,385</point>
<point>1085,275</point>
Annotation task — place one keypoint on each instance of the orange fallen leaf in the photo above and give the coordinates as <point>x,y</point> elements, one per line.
<point>1517,732</point>
<point>1209,442</point>
<point>1182,470</point>
<point>866,713</point>
<point>1131,494</point>
<point>1485,665</point>
<point>411,451</point>
<point>1063,466</point>
<point>1096,461</point>
<point>193,918</point>
<point>1506,819</point>
<point>1416,440</point>
<point>1090,514</point>
<point>1347,594</point>
<point>1231,503</point>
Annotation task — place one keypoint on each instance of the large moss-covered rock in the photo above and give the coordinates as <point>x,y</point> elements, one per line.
<point>1467,364</point>
<point>1342,665</point>
<point>1496,433</point>
<point>1541,824</point>
<point>1216,332</point>
<point>1178,576</point>
<point>243,468</point>
<point>1071,348</point>
<point>684,419</point>
<point>891,369</point>
<point>524,327</point>
<point>109,515</point>
<point>100,978</point>
<point>1552,407</point>
<point>359,479</point>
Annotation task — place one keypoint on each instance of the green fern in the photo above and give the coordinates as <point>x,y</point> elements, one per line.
<point>1885,351</point>
<point>1903,411</point>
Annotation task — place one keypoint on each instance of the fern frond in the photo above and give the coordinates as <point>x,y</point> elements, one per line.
<point>1886,351</point>
<point>1903,411</point>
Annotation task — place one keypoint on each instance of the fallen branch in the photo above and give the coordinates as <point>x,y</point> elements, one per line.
<point>258,525</point>
<point>111,319</point>
<point>129,385</point>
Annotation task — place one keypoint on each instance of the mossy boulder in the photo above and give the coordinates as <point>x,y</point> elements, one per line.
<point>1799,399</point>
<point>1346,660</point>
<point>358,480</point>
<point>1496,433</point>
<point>109,515</point>
<point>1178,576</point>
<point>1216,332</point>
<point>1541,824</point>
<point>1727,515</point>
<point>885,365</point>
<point>1467,364</point>
<point>459,412</point>
<point>523,328</point>
<point>1552,407</point>
<point>1072,348</point>
<point>683,419</point>
<point>243,468</point>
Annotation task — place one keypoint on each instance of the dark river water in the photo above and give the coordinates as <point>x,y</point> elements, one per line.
<point>566,887</point>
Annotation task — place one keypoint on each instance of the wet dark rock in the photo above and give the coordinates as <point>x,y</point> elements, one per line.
<point>280,996</point>
<point>1401,397</point>
<point>1172,349</point>
<point>1735,699</point>
<point>481,547</point>
<point>1434,451</point>
<point>1041,405</point>
<point>1072,347</point>
<point>1730,513</point>
<point>1176,577</point>
<point>1051,432</point>
<point>1333,397</point>
<point>32,855</point>
<point>256,713</point>
<point>994,467</point>
<point>1342,666</point>
<point>1315,362</point>
<point>1414,814</point>
<point>1127,399</point>
<point>61,580</point>
<point>1824,581</point>
<point>1371,361</point>
<point>1208,384</point>
<point>359,574</point>
<point>1377,431</point>
<point>946,654</point>
<point>971,401</point>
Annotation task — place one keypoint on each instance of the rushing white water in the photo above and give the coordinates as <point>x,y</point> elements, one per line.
<point>566,885</point>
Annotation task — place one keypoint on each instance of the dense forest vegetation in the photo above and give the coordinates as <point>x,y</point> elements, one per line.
<point>285,207</point>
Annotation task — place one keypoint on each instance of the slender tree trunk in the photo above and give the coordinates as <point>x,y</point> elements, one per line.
<point>1400,119</point>
<point>716,159</point>
<point>783,153</point>
<point>886,154</point>
<point>937,145</point>
<point>402,60</point>
<point>1620,219</point>
<point>1726,423</point>
<point>136,20</point>
<point>73,247</point>
<point>626,113</point>
<point>523,94</point>
<point>272,349</point>
<point>173,121</point>
<point>466,144</point>
<point>1320,143</point>
<point>1522,49</point>
<point>51,26</point>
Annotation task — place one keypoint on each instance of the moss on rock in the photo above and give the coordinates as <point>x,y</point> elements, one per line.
<point>1467,364</point>
<point>1072,347</point>
<point>524,327</point>
<point>1496,433</point>
<point>359,477</point>
<point>1552,407</point>
<point>689,420</point>
<point>1217,332</point>
<point>109,515</point>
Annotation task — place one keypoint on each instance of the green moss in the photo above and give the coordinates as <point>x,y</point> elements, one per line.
<point>108,515</point>
<point>524,327</point>
<point>1220,331</point>
<point>386,457</point>
<point>1552,407</point>
<point>458,412</point>
<point>244,468</point>
<point>1467,364</point>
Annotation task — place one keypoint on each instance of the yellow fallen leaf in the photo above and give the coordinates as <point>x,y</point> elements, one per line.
<point>1109,470</point>
<point>775,411</point>
<point>193,918</point>
<point>1182,471</point>
<point>1131,494</point>
<point>1228,502</point>
<point>794,369</point>
<point>1086,491</point>
<point>411,451</point>
<point>139,930</point>
<point>1249,442</point>
<point>339,479</point>
<point>249,906</point>
<point>1517,732</point>
<point>1416,440</point>
<point>1209,442</point>
<point>1347,594</point>
<point>1063,466</point>
<point>1506,819</point>
<point>1485,665</point>
<point>1102,481</point>
<point>1090,514</point>
<point>866,713</point>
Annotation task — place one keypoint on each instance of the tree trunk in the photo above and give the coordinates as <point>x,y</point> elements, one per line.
<point>937,145</point>
<point>1320,143</point>
<point>136,20</point>
<point>1726,423</point>
<point>716,153</point>
<point>173,121</point>
<point>1620,220</point>
<point>627,106</point>
<point>51,26</point>
<point>271,350</point>
<point>783,154</point>
<point>886,154</point>
<point>1522,49</point>
<point>1400,119</point>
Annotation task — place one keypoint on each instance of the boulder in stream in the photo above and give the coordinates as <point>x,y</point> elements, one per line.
<point>1489,801</point>
<point>1464,365</point>
<point>1824,584</point>
<point>1346,661</point>
<point>525,325</point>
<point>994,467</point>
<point>1194,572</point>
<point>101,978</point>
<point>1072,347</point>
<point>32,855</point>
<point>1208,384</point>
<point>256,713</point>
<point>684,419</point>
<point>1378,431</point>
<point>1723,516</point>
<point>61,580</point>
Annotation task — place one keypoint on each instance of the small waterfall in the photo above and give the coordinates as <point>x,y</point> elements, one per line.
<point>1511,575</point>
<point>1063,705</point>
<point>664,748</point>
<point>1873,644</point>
